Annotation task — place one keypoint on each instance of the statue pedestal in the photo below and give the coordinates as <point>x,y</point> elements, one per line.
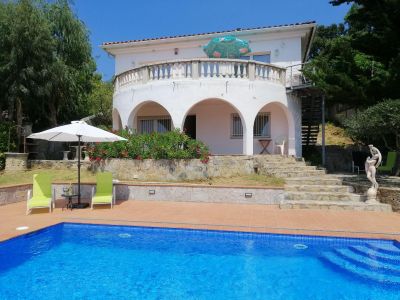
<point>371,195</point>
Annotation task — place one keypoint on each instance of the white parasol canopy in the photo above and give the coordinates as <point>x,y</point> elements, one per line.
<point>75,132</point>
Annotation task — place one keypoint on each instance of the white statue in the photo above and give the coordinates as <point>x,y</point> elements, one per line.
<point>371,164</point>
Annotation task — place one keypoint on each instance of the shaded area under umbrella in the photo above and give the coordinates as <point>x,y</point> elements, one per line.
<point>77,131</point>
<point>226,47</point>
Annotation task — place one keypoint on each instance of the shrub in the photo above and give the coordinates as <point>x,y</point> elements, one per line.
<point>377,124</point>
<point>168,145</point>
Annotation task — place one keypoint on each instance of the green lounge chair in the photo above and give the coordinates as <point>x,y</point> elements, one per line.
<point>390,163</point>
<point>41,194</point>
<point>105,192</point>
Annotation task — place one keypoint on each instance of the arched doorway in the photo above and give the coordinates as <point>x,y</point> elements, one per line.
<point>148,117</point>
<point>218,124</point>
<point>271,123</point>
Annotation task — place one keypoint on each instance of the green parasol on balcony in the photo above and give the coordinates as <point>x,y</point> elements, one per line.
<point>226,47</point>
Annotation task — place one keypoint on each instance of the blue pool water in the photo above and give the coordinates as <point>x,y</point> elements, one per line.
<point>77,261</point>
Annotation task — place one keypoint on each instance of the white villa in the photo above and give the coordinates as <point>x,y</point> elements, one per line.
<point>235,106</point>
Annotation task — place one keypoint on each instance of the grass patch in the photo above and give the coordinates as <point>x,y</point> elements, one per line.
<point>334,135</point>
<point>25,177</point>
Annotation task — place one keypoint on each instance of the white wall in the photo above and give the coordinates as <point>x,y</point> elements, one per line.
<point>248,97</point>
<point>279,126</point>
<point>213,124</point>
<point>213,121</point>
<point>285,50</point>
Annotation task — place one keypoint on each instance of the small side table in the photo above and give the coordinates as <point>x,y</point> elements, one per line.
<point>264,144</point>
<point>69,197</point>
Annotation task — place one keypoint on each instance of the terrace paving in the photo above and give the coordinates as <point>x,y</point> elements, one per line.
<point>220,216</point>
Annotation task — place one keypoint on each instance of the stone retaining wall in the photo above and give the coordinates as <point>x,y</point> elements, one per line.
<point>16,161</point>
<point>192,193</point>
<point>386,195</point>
<point>58,164</point>
<point>159,192</point>
<point>14,194</point>
<point>163,169</point>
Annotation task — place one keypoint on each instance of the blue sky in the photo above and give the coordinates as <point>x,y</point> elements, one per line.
<point>119,20</point>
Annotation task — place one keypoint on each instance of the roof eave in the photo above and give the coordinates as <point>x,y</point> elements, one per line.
<point>108,47</point>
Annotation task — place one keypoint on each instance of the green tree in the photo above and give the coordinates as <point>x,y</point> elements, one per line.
<point>73,68</point>
<point>46,67</point>
<point>25,57</point>
<point>358,63</point>
<point>100,101</point>
<point>374,31</point>
<point>345,74</point>
<point>379,124</point>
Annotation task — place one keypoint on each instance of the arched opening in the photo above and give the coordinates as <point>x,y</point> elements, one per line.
<point>116,120</point>
<point>271,127</point>
<point>148,117</point>
<point>218,124</point>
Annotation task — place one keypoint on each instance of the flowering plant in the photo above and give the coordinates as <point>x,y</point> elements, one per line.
<point>168,145</point>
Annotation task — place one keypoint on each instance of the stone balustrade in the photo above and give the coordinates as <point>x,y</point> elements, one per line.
<point>202,69</point>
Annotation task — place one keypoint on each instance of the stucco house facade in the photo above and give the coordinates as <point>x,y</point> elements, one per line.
<point>235,106</point>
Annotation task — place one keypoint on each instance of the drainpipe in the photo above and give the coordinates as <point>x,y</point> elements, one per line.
<point>323,131</point>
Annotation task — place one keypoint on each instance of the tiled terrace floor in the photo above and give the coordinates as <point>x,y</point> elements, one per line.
<point>241,217</point>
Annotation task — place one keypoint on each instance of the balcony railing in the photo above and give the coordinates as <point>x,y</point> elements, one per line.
<point>202,69</point>
<point>295,76</point>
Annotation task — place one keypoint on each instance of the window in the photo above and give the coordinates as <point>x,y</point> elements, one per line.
<point>262,126</point>
<point>260,56</point>
<point>236,127</point>
<point>154,124</point>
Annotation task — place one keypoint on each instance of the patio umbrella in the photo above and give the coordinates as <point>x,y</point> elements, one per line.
<point>226,47</point>
<point>77,131</point>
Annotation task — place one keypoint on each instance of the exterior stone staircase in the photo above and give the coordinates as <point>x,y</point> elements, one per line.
<point>309,187</point>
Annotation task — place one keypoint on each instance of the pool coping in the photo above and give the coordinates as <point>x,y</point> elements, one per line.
<point>218,216</point>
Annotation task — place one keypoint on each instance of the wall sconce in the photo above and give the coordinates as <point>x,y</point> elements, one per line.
<point>152,192</point>
<point>248,195</point>
<point>176,50</point>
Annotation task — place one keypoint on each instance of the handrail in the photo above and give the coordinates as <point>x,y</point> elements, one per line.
<point>295,76</point>
<point>202,68</point>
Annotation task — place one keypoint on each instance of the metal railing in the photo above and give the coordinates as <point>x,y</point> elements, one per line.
<point>295,76</point>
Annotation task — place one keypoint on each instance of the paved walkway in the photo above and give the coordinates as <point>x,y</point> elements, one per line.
<point>241,217</point>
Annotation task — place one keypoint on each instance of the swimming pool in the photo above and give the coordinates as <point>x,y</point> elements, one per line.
<point>80,261</point>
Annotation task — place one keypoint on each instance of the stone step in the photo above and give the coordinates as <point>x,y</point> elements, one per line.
<point>369,275</point>
<point>274,164</point>
<point>319,188</point>
<point>277,158</point>
<point>295,173</point>
<point>320,180</point>
<point>323,196</point>
<point>334,205</point>
<point>285,168</point>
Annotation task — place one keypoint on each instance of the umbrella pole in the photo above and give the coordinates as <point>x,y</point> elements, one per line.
<point>79,169</point>
<point>79,204</point>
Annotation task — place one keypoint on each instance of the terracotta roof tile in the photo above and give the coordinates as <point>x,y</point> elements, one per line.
<point>205,33</point>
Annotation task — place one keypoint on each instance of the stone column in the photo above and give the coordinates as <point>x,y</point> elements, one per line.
<point>248,138</point>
